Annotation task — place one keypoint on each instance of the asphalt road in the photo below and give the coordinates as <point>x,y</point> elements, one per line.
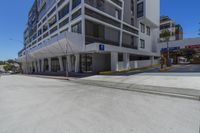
<point>38,105</point>
<point>187,68</point>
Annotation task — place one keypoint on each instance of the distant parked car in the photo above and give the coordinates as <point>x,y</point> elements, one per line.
<point>183,60</point>
<point>10,72</point>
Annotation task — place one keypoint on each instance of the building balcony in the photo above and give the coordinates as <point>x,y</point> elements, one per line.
<point>148,12</point>
<point>105,7</point>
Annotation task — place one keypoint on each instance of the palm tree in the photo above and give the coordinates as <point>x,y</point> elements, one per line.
<point>165,35</point>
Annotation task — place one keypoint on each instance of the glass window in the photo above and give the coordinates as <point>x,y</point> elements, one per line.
<point>132,7</point>
<point>120,57</point>
<point>129,41</point>
<point>64,11</point>
<point>142,26</point>
<point>100,33</point>
<point>39,32</point>
<point>117,14</point>
<point>52,11</point>
<point>77,28</point>
<point>142,43</point>
<point>75,3</point>
<point>76,14</point>
<point>60,2</point>
<point>140,10</point>
<point>53,29</point>
<point>86,63</point>
<point>64,22</point>
<point>45,27</point>
<point>148,31</point>
<point>52,21</point>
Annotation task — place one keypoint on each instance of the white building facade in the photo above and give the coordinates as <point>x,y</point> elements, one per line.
<point>90,35</point>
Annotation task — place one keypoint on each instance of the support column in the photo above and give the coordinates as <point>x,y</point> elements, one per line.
<point>126,61</point>
<point>61,63</point>
<point>152,60</point>
<point>69,63</point>
<point>114,61</point>
<point>77,63</point>
<point>23,68</point>
<point>49,64</point>
<point>42,65</point>
<point>38,65</point>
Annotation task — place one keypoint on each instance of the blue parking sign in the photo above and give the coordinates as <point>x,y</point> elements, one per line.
<point>101,47</point>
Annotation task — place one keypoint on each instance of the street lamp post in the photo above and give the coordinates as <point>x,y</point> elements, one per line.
<point>168,57</point>
<point>165,34</point>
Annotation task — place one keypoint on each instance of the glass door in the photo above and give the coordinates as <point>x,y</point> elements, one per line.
<point>86,63</point>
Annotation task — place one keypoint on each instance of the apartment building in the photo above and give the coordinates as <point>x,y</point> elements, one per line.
<point>90,35</point>
<point>176,30</point>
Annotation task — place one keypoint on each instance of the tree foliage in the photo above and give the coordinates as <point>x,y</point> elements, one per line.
<point>9,67</point>
<point>165,34</point>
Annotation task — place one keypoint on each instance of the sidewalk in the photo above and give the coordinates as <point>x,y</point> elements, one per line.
<point>175,80</point>
<point>184,85</point>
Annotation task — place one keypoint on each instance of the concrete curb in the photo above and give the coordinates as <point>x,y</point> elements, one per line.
<point>158,90</point>
<point>51,77</point>
<point>165,91</point>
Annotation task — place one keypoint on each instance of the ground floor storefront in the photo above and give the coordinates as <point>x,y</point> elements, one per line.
<point>88,63</point>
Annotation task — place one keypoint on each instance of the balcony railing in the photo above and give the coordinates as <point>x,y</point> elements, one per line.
<point>91,39</point>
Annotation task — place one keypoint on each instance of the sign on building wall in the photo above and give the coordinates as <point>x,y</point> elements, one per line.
<point>193,46</point>
<point>170,49</point>
<point>102,47</point>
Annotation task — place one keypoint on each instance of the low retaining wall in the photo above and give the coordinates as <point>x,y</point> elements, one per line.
<point>136,64</point>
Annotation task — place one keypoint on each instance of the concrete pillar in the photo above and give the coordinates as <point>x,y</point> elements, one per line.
<point>135,64</point>
<point>69,63</point>
<point>77,63</point>
<point>26,68</point>
<point>126,61</point>
<point>114,61</point>
<point>61,63</point>
<point>42,65</point>
<point>49,64</point>
<point>152,60</point>
<point>23,68</point>
<point>38,65</point>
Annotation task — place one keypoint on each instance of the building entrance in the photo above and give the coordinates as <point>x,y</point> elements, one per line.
<point>86,63</point>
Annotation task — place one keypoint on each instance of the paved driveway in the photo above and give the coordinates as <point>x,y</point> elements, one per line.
<point>37,105</point>
<point>185,76</point>
<point>187,68</point>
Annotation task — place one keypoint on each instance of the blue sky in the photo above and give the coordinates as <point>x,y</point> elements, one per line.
<point>14,17</point>
<point>184,12</point>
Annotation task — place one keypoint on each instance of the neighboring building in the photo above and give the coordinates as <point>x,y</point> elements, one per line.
<point>178,48</point>
<point>185,43</point>
<point>179,32</point>
<point>2,68</point>
<point>90,35</point>
<point>176,30</point>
